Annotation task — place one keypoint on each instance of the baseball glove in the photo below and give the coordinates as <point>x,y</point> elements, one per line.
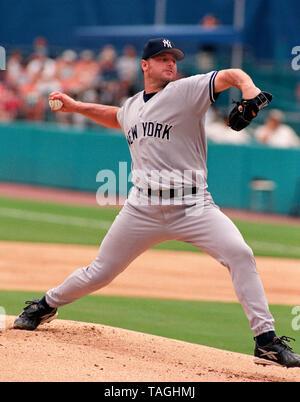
<point>245,110</point>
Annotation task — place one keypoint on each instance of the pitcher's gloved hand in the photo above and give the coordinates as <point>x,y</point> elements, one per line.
<point>246,109</point>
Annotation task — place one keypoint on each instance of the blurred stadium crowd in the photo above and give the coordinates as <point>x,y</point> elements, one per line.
<point>108,78</point>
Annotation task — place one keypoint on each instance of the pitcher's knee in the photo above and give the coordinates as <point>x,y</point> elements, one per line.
<point>246,251</point>
<point>240,252</point>
<point>101,272</point>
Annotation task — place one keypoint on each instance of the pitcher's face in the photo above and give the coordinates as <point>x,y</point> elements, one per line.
<point>161,68</point>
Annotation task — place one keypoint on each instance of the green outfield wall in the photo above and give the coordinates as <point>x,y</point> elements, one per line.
<point>51,155</point>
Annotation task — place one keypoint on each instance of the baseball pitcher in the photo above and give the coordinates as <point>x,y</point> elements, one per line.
<point>165,130</point>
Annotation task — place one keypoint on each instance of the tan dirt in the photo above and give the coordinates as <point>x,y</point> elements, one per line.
<point>81,352</point>
<point>72,351</point>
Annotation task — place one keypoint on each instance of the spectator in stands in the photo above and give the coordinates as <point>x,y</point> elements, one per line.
<point>15,73</point>
<point>40,44</point>
<point>205,57</point>
<point>85,70</point>
<point>65,70</point>
<point>40,64</point>
<point>10,103</point>
<point>34,104</point>
<point>107,64</point>
<point>128,64</point>
<point>275,133</point>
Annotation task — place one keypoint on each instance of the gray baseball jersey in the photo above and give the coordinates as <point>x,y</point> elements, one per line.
<point>166,134</point>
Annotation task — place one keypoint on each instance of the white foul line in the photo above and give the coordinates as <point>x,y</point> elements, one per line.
<point>100,224</point>
<point>265,246</point>
<point>53,218</point>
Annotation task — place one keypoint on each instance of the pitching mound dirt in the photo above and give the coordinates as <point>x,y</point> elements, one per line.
<point>82,352</point>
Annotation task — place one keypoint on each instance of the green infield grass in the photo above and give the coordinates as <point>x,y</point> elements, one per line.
<point>216,324</point>
<point>32,221</point>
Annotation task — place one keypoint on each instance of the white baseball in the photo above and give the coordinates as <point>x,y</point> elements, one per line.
<point>55,104</point>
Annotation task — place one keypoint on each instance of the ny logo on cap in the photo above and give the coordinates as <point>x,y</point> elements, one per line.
<point>167,43</point>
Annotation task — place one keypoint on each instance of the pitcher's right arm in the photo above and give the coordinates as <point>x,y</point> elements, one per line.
<point>102,114</point>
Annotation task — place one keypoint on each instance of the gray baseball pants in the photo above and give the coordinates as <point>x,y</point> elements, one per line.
<point>139,227</point>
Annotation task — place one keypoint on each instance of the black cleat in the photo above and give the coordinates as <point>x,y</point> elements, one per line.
<point>34,315</point>
<point>277,352</point>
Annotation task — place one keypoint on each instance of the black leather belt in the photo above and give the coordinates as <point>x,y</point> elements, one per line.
<point>169,193</point>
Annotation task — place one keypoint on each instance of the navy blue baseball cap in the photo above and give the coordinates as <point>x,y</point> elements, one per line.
<point>159,45</point>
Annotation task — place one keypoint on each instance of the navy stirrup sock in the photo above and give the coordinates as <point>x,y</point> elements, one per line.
<point>45,304</point>
<point>264,339</point>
